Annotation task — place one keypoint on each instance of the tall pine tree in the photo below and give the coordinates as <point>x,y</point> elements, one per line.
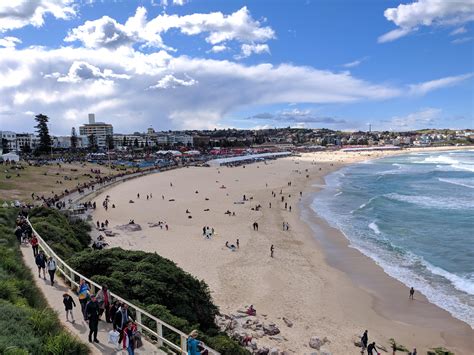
<point>45,141</point>
<point>73,138</point>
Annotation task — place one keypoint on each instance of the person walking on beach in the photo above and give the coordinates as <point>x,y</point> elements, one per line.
<point>68,302</point>
<point>40,261</point>
<point>412,294</point>
<point>237,243</point>
<point>92,311</point>
<point>363,341</point>
<point>271,251</point>
<point>371,348</point>
<point>34,245</point>
<point>51,269</point>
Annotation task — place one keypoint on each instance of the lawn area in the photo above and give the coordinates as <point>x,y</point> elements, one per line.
<point>19,184</point>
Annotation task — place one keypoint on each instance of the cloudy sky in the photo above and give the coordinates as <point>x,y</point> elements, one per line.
<point>195,64</point>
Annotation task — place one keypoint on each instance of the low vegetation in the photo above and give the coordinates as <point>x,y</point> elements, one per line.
<point>148,280</point>
<point>27,325</point>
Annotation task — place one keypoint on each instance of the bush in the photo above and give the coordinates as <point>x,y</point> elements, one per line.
<point>27,326</point>
<point>65,344</point>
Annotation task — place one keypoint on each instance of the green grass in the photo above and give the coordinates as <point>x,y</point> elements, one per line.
<point>27,325</point>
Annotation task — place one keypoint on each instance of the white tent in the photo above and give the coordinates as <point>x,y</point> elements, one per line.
<point>11,157</point>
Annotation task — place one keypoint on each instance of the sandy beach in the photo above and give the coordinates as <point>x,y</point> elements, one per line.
<point>325,288</point>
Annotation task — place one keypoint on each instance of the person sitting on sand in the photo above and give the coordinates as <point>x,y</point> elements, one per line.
<point>251,311</point>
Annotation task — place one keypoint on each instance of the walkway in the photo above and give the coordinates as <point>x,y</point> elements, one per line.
<point>54,296</point>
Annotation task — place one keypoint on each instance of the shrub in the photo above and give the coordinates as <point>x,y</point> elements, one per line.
<point>65,344</point>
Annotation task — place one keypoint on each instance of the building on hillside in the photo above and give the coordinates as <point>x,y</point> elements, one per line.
<point>99,130</point>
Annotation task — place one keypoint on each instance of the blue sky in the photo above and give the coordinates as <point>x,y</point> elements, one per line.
<point>182,64</point>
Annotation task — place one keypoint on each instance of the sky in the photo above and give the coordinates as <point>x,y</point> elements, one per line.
<point>204,64</point>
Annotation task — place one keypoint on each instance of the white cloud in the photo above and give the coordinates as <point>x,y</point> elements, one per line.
<point>462,40</point>
<point>81,70</point>
<point>9,42</point>
<point>425,87</point>
<point>409,17</point>
<point>355,63</point>
<point>104,32</point>
<point>458,31</point>
<point>393,35</point>
<point>174,2</point>
<point>238,26</point>
<point>421,119</point>
<point>16,14</point>
<point>170,81</point>
<point>218,48</point>
<point>249,49</point>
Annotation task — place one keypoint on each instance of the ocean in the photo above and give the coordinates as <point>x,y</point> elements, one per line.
<point>414,216</point>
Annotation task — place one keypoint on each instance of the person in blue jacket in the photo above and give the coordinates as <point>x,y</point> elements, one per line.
<point>194,343</point>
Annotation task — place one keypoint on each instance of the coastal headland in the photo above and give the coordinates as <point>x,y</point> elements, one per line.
<point>317,289</point>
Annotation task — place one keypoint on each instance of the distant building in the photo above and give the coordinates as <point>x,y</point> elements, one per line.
<point>99,130</point>
<point>9,138</point>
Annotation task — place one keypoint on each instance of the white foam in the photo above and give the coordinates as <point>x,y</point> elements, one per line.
<point>374,227</point>
<point>339,193</point>
<point>433,202</point>
<point>459,182</point>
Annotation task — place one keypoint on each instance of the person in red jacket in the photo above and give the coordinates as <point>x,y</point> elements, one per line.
<point>34,245</point>
<point>128,338</point>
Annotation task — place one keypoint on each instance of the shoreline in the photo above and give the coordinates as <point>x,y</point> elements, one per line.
<point>231,277</point>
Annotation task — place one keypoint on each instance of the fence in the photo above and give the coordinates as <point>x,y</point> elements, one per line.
<point>74,278</point>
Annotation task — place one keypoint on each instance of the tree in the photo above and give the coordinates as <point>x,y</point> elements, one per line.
<point>135,143</point>
<point>110,142</point>
<point>5,146</point>
<point>26,149</point>
<point>73,138</point>
<point>45,141</point>
<point>92,143</point>
<point>124,141</point>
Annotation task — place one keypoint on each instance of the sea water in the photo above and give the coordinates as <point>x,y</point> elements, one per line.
<point>414,216</point>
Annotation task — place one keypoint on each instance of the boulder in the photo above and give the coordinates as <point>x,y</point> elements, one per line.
<point>274,351</point>
<point>288,322</point>
<point>271,329</point>
<point>315,343</point>
<point>130,227</point>
<point>324,352</point>
<point>263,351</point>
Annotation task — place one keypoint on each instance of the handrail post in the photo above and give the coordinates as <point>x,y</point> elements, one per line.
<point>159,331</point>
<point>184,344</point>
<point>139,319</point>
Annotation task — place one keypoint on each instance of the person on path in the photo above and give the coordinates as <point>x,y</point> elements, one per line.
<point>40,261</point>
<point>68,304</point>
<point>103,298</point>
<point>18,234</point>
<point>51,264</point>
<point>193,343</point>
<point>412,294</point>
<point>92,311</point>
<point>364,340</point>
<point>128,340</point>
<point>271,251</point>
<point>83,295</point>
<point>34,245</point>
<point>238,244</point>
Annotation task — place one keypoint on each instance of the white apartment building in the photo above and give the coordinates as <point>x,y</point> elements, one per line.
<point>10,138</point>
<point>99,130</point>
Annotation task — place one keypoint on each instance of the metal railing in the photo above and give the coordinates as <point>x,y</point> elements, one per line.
<point>74,278</point>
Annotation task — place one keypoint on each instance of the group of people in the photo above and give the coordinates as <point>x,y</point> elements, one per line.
<point>372,347</point>
<point>207,232</point>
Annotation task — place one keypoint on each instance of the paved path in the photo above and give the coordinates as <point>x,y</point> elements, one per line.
<point>54,296</point>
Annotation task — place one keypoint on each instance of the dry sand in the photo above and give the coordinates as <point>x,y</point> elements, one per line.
<point>318,289</point>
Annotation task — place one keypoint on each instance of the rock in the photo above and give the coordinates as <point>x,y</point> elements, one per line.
<point>315,343</point>
<point>274,351</point>
<point>285,353</point>
<point>263,351</point>
<point>259,333</point>
<point>271,329</point>
<point>288,322</point>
